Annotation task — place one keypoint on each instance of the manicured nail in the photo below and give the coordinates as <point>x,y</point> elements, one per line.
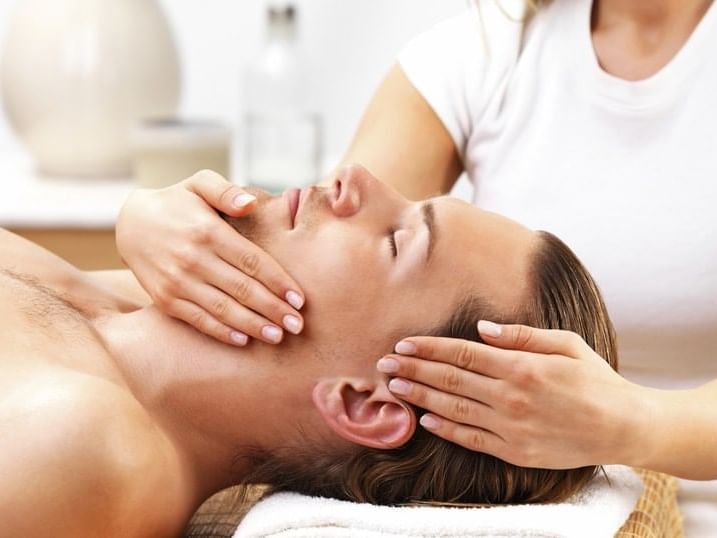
<point>294,299</point>
<point>238,338</point>
<point>488,328</point>
<point>292,324</point>
<point>271,333</point>
<point>405,348</point>
<point>243,200</point>
<point>399,386</point>
<point>429,422</point>
<point>387,365</point>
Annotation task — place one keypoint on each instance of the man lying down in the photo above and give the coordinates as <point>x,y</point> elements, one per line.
<point>120,421</point>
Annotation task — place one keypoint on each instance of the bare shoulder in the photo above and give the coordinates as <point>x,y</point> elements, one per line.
<point>79,458</point>
<point>84,290</point>
<point>21,256</point>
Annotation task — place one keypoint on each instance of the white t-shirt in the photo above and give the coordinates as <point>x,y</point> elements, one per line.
<point>624,172</point>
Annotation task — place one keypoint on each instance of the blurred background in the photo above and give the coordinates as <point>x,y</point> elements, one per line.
<point>102,96</point>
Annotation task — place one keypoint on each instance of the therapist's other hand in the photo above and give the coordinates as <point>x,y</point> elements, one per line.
<point>197,268</point>
<point>534,398</point>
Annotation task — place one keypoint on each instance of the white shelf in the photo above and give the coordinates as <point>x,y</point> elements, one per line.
<point>30,201</point>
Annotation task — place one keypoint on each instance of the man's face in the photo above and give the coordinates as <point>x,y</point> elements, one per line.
<point>362,292</point>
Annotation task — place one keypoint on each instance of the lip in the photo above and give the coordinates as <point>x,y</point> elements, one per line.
<point>294,197</point>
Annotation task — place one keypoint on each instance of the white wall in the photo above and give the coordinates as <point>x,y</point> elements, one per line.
<point>352,44</point>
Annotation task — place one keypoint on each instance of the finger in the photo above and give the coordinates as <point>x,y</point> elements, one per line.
<point>524,338</point>
<point>464,354</point>
<point>222,194</point>
<point>251,294</point>
<point>470,437</point>
<point>256,263</point>
<point>229,312</point>
<point>443,377</point>
<point>450,406</point>
<point>204,322</point>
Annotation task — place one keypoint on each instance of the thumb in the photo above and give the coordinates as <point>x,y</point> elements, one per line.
<point>221,194</point>
<point>524,338</point>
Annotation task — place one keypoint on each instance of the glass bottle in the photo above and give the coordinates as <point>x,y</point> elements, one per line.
<point>282,136</point>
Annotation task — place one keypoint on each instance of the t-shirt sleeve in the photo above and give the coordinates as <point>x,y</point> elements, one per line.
<point>458,64</point>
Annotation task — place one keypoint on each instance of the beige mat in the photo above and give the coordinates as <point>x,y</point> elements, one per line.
<point>656,514</point>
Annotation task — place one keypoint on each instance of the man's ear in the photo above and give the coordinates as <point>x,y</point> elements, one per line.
<point>364,412</point>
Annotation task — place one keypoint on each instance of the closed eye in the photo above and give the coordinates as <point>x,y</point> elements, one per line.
<point>392,242</point>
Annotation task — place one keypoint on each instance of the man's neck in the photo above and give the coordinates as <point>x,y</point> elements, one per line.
<point>215,402</point>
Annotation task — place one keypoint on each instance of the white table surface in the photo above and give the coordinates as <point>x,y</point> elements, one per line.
<point>30,201</point>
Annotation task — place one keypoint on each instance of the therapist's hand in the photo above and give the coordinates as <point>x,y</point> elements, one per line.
<point>197,268</point>
<point>534,398</point>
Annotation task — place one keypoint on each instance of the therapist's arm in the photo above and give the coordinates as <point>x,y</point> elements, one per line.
<point>402,141</point>
<point>542,398</point>
<point>681,433</point>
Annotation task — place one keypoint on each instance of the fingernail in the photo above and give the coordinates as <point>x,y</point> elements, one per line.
<point>488,328</point>
<point>294,299</point>
<point>405,348</point>
<point>399,386</point>
<point>292,324</point>
<point>429,422</point>
<point>271,333</point>
<point>243,200</point>
<point>387,365</point>
<point>238,338</point>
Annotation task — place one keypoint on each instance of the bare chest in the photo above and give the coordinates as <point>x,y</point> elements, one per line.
<point>41,330</point>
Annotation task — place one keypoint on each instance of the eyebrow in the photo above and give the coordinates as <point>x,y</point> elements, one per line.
<point>429,219</point>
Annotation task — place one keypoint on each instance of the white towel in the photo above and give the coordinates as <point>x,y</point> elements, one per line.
<point>597,512</point>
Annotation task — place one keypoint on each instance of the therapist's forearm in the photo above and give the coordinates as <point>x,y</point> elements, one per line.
<point>680,433</point>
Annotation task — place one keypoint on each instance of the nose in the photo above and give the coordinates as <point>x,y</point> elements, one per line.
<point>349,188</point>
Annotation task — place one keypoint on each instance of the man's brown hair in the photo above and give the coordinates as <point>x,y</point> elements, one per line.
<point>561,295</point>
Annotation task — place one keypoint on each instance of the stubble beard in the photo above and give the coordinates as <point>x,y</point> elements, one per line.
<point>251,226</point>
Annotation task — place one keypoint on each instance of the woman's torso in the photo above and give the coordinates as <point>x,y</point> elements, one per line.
<point>626,174</point>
